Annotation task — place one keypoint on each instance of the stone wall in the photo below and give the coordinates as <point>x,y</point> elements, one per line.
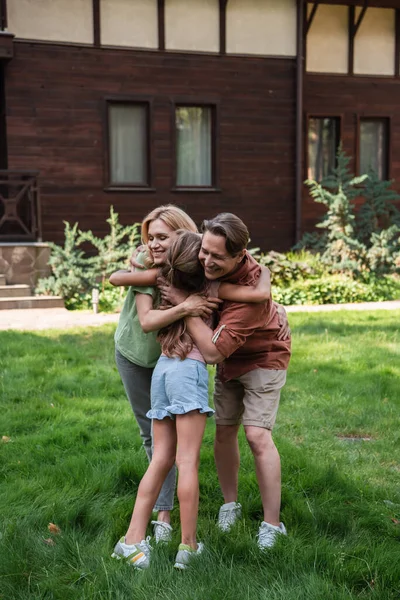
<point>25,262</point>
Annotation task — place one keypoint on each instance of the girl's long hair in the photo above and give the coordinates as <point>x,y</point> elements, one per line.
<point>184,271</point>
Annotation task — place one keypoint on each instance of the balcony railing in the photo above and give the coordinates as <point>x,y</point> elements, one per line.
<point>20,217</point>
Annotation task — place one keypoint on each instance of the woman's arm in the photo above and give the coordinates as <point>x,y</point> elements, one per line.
<point>137,278</point>
<point>153,320</point>
<point>245,293</point>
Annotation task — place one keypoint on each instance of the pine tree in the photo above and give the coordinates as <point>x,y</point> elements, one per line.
<point>378,211</point>
<point>342,250</point>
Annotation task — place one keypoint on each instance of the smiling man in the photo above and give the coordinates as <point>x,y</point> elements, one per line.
<point>252,362</point>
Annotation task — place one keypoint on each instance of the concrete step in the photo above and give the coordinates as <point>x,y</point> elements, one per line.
<point>2,280</point>
<point>31,302</point>
<point>12,291</point>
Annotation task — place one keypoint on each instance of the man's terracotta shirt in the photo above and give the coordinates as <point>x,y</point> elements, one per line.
<point>247,333</point>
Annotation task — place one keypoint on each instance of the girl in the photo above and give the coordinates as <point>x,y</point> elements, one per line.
<point>179,407</point>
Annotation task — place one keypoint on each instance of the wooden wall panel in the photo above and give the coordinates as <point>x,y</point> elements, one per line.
<point>55,124</point>
<point>351,98</point>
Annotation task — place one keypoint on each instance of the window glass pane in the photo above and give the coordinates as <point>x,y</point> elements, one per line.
<point>373,147</point>
<point>128,143</point>
<point>193,146</point>
<point>323,137</point>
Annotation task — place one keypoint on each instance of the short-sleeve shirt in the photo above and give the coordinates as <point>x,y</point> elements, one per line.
<point>131,341</point>
<point>247,334</point>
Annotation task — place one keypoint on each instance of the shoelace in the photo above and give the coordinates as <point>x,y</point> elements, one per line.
<point>145,545</point>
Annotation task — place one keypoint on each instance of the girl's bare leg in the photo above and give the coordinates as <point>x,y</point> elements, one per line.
<point>164,433</point>
<point>190,430</point>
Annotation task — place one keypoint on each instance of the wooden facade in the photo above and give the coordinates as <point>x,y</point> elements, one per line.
<point>54,95</point>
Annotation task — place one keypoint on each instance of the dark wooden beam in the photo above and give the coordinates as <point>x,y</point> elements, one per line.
<point>353,28</point>
<point>161,24</point>
<point>361,16</point>
<point>300,59</point>
<point>96,23</point>
<point>3,15</point>
<point>222,26</point>
<point>312,15</point>
<point>371,3</point>
<point>397,45</point>
<point>352,12</point>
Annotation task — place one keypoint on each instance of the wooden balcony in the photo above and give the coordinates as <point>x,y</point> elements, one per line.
<point>20,217</point>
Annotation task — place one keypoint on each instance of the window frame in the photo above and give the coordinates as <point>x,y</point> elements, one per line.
<point>388,142</point>
<point>324,115</point>
<point>109,185</point>
<point>214,105</point>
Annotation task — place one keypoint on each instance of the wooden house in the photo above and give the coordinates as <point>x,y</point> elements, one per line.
<point>213,105</point>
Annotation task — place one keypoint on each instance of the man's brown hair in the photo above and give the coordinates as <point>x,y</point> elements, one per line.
<point>231,228</point>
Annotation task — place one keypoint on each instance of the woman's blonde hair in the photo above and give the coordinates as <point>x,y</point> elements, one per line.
<point>174,217</point>
<point>184,271</point>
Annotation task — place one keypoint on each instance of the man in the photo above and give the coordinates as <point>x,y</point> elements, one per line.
<point>252,362</point>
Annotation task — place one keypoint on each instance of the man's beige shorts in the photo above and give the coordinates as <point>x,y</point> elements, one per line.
<point>251,399</point>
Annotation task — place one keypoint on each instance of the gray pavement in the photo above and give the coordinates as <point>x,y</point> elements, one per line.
<point>60,318</point>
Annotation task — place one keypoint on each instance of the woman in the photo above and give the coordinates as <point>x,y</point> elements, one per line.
<point>136,352</point>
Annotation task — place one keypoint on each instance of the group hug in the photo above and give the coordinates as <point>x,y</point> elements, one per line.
<point>195,299</point>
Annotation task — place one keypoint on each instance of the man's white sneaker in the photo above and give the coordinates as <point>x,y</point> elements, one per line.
<point>228,515</point>
<point>138,555</point>
<point>186,554</point>
<point>162,531</point>
<point>268,533</point>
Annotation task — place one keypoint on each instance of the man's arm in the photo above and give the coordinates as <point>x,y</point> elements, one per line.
<point>238,322</point>
<point>202,336</point>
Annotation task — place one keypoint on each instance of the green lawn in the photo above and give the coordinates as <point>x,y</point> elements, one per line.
<point>74,459</point>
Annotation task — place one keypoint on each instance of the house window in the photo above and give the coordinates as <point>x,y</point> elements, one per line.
<point>323,141</point>
<point>194,146</point>
<point>374,137</point>
<point>128,126</point>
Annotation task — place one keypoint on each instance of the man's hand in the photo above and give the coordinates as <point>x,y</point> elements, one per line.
<point>199,306</point>
<point>284,332</point>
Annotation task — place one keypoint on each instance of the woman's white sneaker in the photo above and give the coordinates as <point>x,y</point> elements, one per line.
<point>268,533</point>
<point>228,515</point>
<point>162,531</point>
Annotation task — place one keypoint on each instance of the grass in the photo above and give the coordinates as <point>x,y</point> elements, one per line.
<point>74,458</point>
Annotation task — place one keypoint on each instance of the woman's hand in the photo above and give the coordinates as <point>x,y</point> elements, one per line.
<point>170,294</point>
<point>199,306</point>
<point>133,263</point>
<point>284,332</point>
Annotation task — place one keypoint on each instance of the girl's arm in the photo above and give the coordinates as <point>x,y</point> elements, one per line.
<point>245,293</point>
<point>137,278</point>
<point>153,320</point>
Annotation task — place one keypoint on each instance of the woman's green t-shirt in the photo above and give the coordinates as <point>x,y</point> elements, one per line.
<point>130,340</point>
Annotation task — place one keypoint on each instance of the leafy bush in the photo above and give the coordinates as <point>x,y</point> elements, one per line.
<point>75,273</point>
<point>285,269</point>
<point>70,275</point>
<point>337,289</point>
